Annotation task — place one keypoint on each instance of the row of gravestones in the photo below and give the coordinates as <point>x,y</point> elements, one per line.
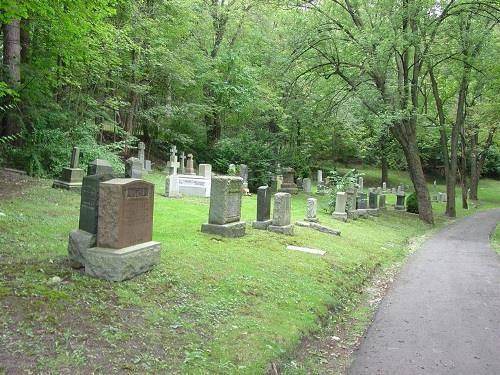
<point>72,176</point>
<point>224,217</point>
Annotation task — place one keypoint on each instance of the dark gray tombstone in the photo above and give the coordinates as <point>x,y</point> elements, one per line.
<point>89,203</point>
<point>99,166</point>
<point>400,201</point>
<point>263,208</point>
<point>361,201</point>
<point>133,168</point>
<point>372,200</point>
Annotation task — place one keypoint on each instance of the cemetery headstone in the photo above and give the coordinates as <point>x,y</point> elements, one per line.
<point>312,209</point>
<point>84,237</point>
<point>288,185</point>
<point>124,231</point>
<point>147,165</point>
<point>263,208</point>
<point>282,214</point>
<point>244,174</point>
<point>225,207</point>
<point>190,165</point>
<point>307,185</point>
<point>71,178</point>
<point>381,202</point>
<point>340,206</point>
<point>320,176</point>
<point>384,186</point>
<point>400,201</point>
<point>99,166</point>
<point>133,168</point>
<point>183,163</point>
<point>373,203</point>
<point>141,148</point>
<point>205,170</point>
<point>361,201</point>
<point>299,183</point>
<point>172,189</point>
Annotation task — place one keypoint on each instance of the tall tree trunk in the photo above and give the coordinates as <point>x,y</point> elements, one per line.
<point>11,63</point>
<point>477,160</point>
<point>408,142</point>
<point>384,166</point>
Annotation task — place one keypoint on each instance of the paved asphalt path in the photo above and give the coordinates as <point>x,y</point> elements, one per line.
<point>442,314</point>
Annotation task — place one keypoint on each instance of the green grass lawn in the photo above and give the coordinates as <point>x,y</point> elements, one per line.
<point>495,239</point>
<point>213,305</point>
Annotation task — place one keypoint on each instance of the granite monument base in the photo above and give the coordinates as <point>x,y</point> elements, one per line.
<point>372,211</point>
<point>58,184</point>
<point>342,216</point>
<point>262,225</point>
<point>282,229</point>
<point>362,212</point>
<point>231,230</point>
<point>122,264</point>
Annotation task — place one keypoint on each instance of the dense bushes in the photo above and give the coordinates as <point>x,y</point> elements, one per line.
<point>255,150</point>
<point>412,203</point>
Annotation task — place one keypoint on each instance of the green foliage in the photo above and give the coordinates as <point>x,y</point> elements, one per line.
<point>412,203</point>
<point>339,183</point>
<point>491,167</point>
<point>257,151</point>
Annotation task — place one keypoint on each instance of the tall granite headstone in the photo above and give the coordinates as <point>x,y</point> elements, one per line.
<point>263,208</point>
<point>307,185</point>
<point>282,214</point>
<point>340,206</point>
<point>190,165</point>
<point>225,207</point>
<point>400,201</point>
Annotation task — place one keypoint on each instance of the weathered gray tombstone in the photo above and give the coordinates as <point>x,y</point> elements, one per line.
<point>71,178</point>
<point>361,201</point>
<point>276,182</point>
<point>225,207</point>
<point>244,174</point>
<point>147,165</point>
<point>89,202</point>
<point>282,214</point>
<point>400,201</point>
<point>133,168</point>
<point>340,207</point>
<point>205,170</point>
<point>373,203</point>
<point>381,202</point>
<point>372,199</point>
<point>299,183</point>
<point>190,166</point>
<point>263,208</point>
<point>124,231</point>
<point>99,166</point>
<point>141,148</point>
<point>360,183</point>
<point>351,194</point>
<point>312,210</point>
<point>320,176</point>
<point>384,186</point>
<point>182,169</point>
<point>288,185</point>
<point>83,238</point>
<point>393,190</point>
<point>307,185</point>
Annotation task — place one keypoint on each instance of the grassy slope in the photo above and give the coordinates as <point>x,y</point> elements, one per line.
<point>495,239</point>
<point>213,305</point>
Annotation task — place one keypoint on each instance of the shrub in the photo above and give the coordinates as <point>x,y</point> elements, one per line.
<point>340,183</point>
<point>248,149</point>
<point>412,203</point>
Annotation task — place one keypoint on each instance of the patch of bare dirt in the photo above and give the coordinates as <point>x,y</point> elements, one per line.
<point>13,182</point>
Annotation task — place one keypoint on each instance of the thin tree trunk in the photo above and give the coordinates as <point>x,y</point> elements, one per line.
<point>11,63</point>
